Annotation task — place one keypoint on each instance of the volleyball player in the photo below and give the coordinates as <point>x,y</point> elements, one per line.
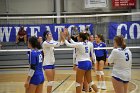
<point>122,59</point>
<point>83,48</point>
<point>91,38</point>
<point>101,58</point>
<point>75,65</point>
<point>49,59</point>
<point>35,79</point>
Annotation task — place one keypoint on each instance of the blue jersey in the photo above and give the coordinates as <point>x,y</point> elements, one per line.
<point>35,58</point>
<point>100,52</point>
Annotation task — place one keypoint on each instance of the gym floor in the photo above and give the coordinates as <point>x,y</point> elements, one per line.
<point>12,81</point>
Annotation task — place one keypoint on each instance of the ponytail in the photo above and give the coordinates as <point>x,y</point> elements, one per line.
<point>120,41</point>
<point>123,45</point>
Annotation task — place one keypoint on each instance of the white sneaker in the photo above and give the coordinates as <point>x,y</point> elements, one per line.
<point>99,85</point>
<point>103,87</point>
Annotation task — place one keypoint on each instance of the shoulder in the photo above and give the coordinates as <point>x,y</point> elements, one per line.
<point>115,50</point>
<point>127,50</point>
<point>44,42</point>
<point>33,52</point>
<point>94,42</point>
<point>90,43</point>
<point>103,44</point>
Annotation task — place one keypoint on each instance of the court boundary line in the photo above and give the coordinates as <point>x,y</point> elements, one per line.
<point>69,87</point>
<point>61,83</point>
<point>133,91</point>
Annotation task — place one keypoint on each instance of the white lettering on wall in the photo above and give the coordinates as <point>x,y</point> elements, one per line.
<point>131,30</point>
<point>119,29</point>
<point>35,30</point>
<point>5,31</point>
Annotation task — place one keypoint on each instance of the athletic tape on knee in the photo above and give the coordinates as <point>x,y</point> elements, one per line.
<point>77,84</point>
<point>50,83</point>
<point>101,72</point>
<point>91,83</point>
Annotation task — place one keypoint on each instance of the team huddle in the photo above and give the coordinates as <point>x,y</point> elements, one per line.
<point>84,59</point>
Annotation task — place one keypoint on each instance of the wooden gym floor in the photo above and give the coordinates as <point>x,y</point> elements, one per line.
<point>12,81</point>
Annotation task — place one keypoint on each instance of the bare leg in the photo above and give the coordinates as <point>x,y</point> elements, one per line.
<point>50,73</point>
<point>39,88</point>
<point>17,39</point>
<point>98,75</point>
<point>25,38</point>
<point>79,79</point>
<point>89,80</point>
<point>32,88</point>
<point>101,67</point>
<point>85,84</point>
<point>126,87</point>
<point>118,86</point>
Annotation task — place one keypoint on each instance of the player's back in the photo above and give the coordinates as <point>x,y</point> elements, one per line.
<point>122,63</point>
<point>83,51</point>
<point>123,58</point>
<point>36,59</point>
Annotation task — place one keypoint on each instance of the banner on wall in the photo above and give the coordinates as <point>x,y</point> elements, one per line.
<point>121,4</point>
<point>8,32</point>
<point>95,3</point>
<point>130,30</point>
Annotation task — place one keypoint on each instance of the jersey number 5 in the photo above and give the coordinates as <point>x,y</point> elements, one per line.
<point>86,49</point>
<point>127,56</point>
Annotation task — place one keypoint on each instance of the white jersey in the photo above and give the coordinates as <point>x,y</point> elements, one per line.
<point>122,60</point>
<point>83,50</point>
<point>48,50</point>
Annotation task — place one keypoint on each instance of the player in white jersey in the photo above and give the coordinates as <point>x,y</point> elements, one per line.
<point>83,48</point>
<point>122,59</point>
<point>49,59</point>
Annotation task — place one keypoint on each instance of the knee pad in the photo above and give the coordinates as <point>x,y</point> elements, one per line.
<point>101,72</point>
<point>97,72</point>
<point>77,84</point>
<point>91,83</point>
<point>50,83</point>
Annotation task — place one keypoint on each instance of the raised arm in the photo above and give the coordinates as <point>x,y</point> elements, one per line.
<point>51,44</point>
<point>72,41</point>
<point>75,45</point>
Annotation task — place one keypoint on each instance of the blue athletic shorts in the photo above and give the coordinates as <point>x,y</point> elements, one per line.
<point>49,67</point>
<point>37,79</point>
<point>118,79</point>
<point>85,65</point>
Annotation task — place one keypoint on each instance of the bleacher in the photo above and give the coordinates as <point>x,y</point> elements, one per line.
<point>20,59</point>
<point>63,57</point>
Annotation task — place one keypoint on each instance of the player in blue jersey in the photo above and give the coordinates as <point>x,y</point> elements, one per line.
<point>101,58</point>
<point>35,79</point>
<point>83,49</point>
